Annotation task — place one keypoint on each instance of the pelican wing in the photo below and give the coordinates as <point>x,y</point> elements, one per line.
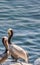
<point>17,50</point>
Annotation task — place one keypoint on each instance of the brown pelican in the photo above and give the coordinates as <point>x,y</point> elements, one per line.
<point>5,56</point>
<point>16,51</point>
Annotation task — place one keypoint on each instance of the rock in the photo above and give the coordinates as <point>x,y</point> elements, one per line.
<point>22,63</point>
<point>37,61</point>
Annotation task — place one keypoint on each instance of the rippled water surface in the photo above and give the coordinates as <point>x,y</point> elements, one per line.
<point>23,16</point>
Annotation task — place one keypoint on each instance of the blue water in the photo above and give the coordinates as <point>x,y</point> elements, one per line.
<point>23,16</point>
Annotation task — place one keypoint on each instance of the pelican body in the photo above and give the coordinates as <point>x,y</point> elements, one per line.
<point>15,50</point>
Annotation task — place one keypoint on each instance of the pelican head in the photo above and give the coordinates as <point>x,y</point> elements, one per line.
<point>10,34</point>
<point>5,42</point>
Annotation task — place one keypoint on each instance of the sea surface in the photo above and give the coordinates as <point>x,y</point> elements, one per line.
<point>23,16</point>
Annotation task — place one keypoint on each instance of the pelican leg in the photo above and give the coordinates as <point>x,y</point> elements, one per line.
<point>14,58</point>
